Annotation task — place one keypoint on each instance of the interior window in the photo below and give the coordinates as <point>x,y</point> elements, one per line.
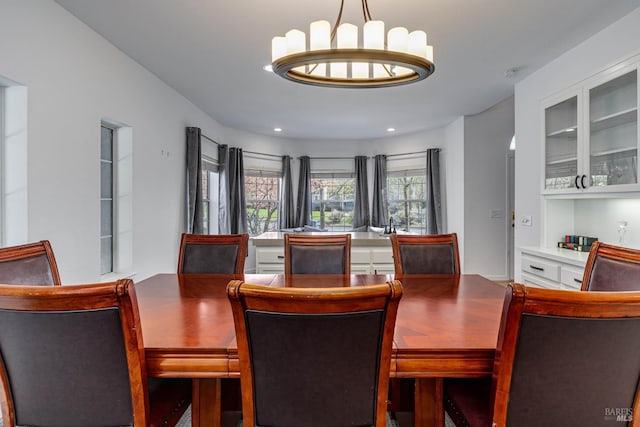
<point>106,200</point>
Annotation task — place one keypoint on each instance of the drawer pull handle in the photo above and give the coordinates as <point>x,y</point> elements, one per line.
<point>280,256</point>
<point>536,268</point>
<point>577,280</point>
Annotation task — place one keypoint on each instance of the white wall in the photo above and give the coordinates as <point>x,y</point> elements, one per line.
<point>75,78</point>
<point>610,46</point>
<point>453,197</point>
<point>486,144</point>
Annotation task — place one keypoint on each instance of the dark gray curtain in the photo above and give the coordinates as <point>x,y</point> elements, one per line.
<point>223,189</point>
<point>361,216</point>
<point>287,217</point>
<point>434,203</point>
<point>237,202</point>
<point>195,209</point>
<point>380,209</point>
<point>303,211</point>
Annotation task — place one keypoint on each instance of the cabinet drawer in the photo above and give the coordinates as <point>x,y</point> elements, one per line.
<point>360,269</point>
<point>541,267</point>
<point>384,269</point>
<point>270,255</point>
<point>360,256</point>
<point>271,269</point>
<point>539,282</point>
<point>382,256</point>
<point>571,277</point>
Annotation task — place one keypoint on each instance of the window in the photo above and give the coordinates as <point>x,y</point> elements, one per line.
<point>210,180</point>
<point>332,200</point>
<point>116,200</point>
<point>406,196</point>
<point>13,163</point>
<point>106,200</point>
<point>262,195</point>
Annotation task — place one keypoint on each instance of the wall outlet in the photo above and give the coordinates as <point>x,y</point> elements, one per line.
<point>526,220</point>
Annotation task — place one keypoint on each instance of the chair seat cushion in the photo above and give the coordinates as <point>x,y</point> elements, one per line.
<point>168,400</point>
<point>468,401</point>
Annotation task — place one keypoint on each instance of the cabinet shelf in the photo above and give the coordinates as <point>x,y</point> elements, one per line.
<point>562,160</point>
<point>566,132</point>
<point>631,151</point>
<point>615,119</point>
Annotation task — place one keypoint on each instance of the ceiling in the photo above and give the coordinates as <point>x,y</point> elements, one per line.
<point>212,52</point>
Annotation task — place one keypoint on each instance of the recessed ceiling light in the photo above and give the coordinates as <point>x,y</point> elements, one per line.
<point>277,129</point>
<point>391,129</point>
<point>268,68</point>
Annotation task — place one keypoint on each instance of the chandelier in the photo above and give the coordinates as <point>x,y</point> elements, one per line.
<point>334,58</point>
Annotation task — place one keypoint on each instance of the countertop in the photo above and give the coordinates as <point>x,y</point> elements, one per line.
<point>276,238</point>
<point>567,256</point>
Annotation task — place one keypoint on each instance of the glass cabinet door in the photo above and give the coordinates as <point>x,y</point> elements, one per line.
<point>613,131</point>
<point>561,145</point>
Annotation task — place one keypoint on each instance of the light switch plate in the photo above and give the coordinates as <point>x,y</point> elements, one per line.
<point>526,220</point>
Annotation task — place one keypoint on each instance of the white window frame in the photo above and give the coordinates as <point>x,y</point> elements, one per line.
<point>267,173</point>
<point>342,226</point>
<point>421,228</point>
<point>210,193</point>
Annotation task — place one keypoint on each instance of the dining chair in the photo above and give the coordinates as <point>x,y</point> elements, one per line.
<point>74,356</point>
<point>29,264</point>
<point>312,254</point>
<point>611,268</point>
<point>212,253</point>
<point>314,357</point>
<point>425,254</point>
<point>563,358</point>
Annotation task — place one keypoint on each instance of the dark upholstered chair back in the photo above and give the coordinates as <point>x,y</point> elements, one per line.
<point>567,358</point>
<point>311,254</point>
<point>213,253</point>
<point>32,264</point>
<point>314,357</point>
<point>612,268</point>
<point>72,356</point>
<point>425,254</point>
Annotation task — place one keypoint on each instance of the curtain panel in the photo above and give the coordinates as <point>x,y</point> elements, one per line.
<point>287,217</point>
<point>303,210</point>
<point>380,209</point>
<point>237,201</point>
<point>195,208</point>
<point>361,216</point>
<point>434,202</point>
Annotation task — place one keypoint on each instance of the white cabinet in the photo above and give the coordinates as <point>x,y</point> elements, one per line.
<point>552,268</point>
<point>370,254</point>
<point>591,138</point>
<point>270,260</point>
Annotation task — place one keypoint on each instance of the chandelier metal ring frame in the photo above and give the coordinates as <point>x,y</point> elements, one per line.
<point>299,65</point>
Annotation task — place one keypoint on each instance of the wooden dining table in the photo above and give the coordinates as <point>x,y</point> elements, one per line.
<point>446,326</point>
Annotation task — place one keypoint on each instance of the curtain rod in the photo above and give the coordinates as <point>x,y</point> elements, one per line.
<point>262,154</point>
<point>206,137</point>
<point>248,152</point>
<point>322,158</point>
<point>409,154</point>
<point>333,158</point>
